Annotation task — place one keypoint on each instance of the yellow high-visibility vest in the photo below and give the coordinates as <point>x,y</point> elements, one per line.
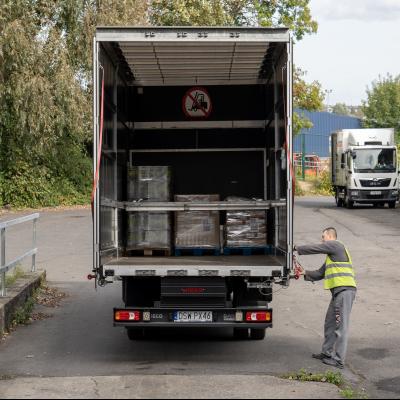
<point>339,273</point>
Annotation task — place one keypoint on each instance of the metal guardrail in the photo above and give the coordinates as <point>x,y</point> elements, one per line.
<point>31,253</point>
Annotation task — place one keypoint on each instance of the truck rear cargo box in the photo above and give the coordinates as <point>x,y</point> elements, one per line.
<point>214,106</point>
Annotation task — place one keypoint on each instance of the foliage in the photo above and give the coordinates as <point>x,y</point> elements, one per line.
<point>340,108</point>
<point>382,107</point>
<point>335,378</point>
<point>298,190</point>
<point>324,184</point>
<point>306,96</point>
<point>23,314</point>
<point>14,275</point>
<point>45,122</point>
<point>46,89</point>
<point>294,14</point>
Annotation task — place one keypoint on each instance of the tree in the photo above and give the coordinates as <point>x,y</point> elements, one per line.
<point>340,108</point>
<point>307,96</point>
<point>45,80</point>
<point>382,107</point>
<point>295,14</point>
<point>43,124</point>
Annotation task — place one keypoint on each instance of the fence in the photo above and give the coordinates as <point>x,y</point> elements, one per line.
<point>5,267</point>
<point>311,154</point>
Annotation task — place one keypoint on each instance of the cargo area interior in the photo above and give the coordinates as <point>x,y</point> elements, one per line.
<point>234,150</point>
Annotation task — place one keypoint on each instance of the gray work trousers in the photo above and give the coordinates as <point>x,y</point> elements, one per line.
<point>337,325</point>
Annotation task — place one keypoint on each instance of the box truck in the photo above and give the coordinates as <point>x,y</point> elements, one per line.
<point>212,107</point>
<point>364,167</point>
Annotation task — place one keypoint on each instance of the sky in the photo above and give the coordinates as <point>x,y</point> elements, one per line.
<point>357,41</point>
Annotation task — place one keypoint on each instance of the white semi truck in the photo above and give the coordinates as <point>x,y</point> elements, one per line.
<point>364,167</point>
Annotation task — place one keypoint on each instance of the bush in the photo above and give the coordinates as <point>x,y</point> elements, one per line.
<point>324,184</point>
<point>26,186</point>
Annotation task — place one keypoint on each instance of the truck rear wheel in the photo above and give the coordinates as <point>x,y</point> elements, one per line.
<point>240,333</point>
<point>349,203</point>
<point>339,201</point>
<point>135,333</point>
<point>257,334</point>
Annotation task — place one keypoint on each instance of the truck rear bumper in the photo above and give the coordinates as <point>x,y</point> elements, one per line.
<point>221,318</point>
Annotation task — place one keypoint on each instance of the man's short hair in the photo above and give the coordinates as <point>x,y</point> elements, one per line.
<point>331,232</point>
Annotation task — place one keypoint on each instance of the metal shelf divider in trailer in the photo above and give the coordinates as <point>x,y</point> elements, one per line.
<point>214,107</point>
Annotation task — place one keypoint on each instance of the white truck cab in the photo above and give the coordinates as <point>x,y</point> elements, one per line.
<point>364,167</point>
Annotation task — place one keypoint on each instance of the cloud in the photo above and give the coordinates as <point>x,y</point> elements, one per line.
<point>356,10</point>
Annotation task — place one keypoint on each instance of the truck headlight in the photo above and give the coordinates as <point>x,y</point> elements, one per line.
<point>354,193</point>
<point>395,192</point>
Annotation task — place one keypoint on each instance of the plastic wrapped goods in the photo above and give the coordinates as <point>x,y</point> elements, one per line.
<point>149,230</point>
<point>245,228</point>
<point>197,229</point>
<point>152,183</point>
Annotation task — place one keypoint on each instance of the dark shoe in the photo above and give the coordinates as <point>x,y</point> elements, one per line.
<point>320,356</point>
<point>333,363</point>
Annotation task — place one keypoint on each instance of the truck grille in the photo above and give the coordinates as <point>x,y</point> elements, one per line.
<point>375,182</point>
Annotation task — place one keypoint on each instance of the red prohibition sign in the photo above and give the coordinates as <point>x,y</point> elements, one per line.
<point>196,103</point>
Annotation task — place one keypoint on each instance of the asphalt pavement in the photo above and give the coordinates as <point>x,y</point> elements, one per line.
<point>79,340</point>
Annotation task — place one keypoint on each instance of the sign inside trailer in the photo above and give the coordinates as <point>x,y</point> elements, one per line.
<point>196,103</point>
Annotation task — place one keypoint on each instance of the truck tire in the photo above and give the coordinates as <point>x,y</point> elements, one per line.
<point>339,201</point>
<point>392,204</point>
<point>257,334</point>
<point>349,203</point>
<point>241,333</point>
<point>135,333</point>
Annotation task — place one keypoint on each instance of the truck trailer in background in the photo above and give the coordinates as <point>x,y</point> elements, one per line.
<point>213,106</point>
<point>364,167</point>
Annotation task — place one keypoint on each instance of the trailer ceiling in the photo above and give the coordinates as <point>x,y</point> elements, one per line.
<point>162,56</point>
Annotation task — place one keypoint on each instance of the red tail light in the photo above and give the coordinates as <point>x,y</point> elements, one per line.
<point>127,316</point>
<point>258,316</point>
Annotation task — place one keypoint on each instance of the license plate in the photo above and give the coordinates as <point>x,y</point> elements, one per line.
<point>193,316</point>
<point>376,192</point>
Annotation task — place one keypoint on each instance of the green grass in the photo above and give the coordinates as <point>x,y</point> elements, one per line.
<point>334,378</point>
<point>23,314</point>
<point>12,277</point>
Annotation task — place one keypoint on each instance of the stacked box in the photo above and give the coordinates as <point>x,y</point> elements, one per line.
<point>149,230</point>
<point>245,228</point>
<point>150,183</point>
<point>197,229</point>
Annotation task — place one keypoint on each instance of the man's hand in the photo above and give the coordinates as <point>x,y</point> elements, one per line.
<point>301,270</point>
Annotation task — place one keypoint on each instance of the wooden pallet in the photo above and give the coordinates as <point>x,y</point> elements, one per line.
<point>153,252</point>
<point>195,251</point>
<point>247,251</point>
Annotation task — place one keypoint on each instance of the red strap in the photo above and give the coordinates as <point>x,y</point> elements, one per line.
<point>96,178</point>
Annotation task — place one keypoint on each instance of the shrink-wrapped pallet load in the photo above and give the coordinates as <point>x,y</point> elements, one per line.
<point>245,228</point>
<point>149,230</point>
<point>149,183</point>
<point>197,229</point>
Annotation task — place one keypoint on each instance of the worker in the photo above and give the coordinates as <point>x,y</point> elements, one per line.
<point>339,278</point>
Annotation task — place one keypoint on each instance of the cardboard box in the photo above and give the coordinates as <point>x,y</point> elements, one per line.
<point>245,228</point>
<point>197,229</point>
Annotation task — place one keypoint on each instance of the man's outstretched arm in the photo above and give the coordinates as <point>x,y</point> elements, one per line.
<point>319,248</point>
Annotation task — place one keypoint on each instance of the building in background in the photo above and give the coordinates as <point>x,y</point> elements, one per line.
<point>315,141</point>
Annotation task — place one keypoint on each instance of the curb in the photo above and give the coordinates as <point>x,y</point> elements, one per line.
<point>17,295</point>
